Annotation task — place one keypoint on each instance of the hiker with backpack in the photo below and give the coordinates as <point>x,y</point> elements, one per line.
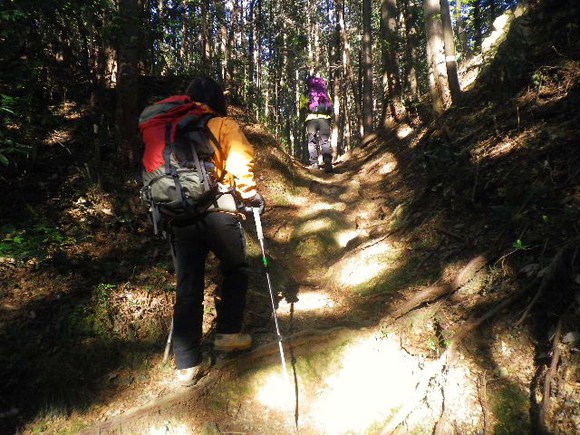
<point>199,178</point>
<point>318,121</point>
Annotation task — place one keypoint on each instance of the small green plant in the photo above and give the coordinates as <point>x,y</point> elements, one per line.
<point>8,146</point>
<point>538,78</point>
<point>36,241</point>
<point>510,407</point>
<point>519,245</point>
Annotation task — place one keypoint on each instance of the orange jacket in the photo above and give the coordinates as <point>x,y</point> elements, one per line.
<point>236,156</point>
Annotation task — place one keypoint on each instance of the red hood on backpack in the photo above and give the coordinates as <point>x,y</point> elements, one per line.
<point>153,121</point>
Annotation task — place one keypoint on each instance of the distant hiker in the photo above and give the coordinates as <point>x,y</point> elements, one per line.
<point>199,229</point>
<point>318,120</point>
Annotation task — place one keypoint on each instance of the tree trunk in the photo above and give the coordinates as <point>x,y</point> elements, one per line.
<point>460,26</point>
<point>348,73</point>
<point>222,45</point>
<point>392,105</point>
<point>128,98</point>
<point>477,23</point>
<point>450,59</point>
<point>206,42</point>
<point>367,68</point>
<point>411,86</point>
<point>435,56</point>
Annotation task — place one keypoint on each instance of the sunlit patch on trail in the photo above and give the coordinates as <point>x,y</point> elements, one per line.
<point>404,131</point>
<point>315,225</point>
<point>387,168</point>
<point>307,301</point>
<point>343,237</point>
<point>366,265</point>
<point>278,391</point>
<point>375,378</point>
<point>314,209</point>
<point>168,428</point>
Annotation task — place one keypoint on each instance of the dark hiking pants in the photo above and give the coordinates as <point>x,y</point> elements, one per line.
<point>221,234</point>
<point>322,126</point>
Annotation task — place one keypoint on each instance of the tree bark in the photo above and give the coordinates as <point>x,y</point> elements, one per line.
<point>367,68</point>
<point>435,56</point>
<point>348,73</point>
<point>392,105</point>
<point>128,98</point>
<point>450,59</point>
<point>411,31</point>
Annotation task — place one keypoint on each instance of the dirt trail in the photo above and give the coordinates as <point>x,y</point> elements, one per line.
<point>345,372</point>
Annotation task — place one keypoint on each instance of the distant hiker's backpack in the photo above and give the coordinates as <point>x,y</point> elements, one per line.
<point>179,179</point>
<point>318,98</point>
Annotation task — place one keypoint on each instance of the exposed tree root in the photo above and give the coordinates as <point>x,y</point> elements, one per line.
<point>434,292</point>
<point>542,423</point>
<point>437,368</point>
<point>547,277</point>
<point>484,404</point>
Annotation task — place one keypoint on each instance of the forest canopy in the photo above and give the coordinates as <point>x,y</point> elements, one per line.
<point>379,58</point>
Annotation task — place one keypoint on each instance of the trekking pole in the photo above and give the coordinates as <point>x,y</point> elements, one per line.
<point>168,343</point>
<point>260,233</point>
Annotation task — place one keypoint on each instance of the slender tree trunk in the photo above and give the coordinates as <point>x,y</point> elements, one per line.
<point>128,99</point>
<point>337,126</point>
<point>450,59</point>
<point>348,72</point>
<point>411,82</point>
<point>367,68</point>
<point>477,23</point>
<point>223,46</point>
<point>206,42</point>
<point>460,26</point>
<point>392,105</point>
<point>435,56</point>
<point>492,12</point>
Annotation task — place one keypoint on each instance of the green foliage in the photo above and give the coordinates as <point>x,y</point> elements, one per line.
<point>8,146</point>
<point>510,407</point>
<point>93,318</point>
<point>36,241</point>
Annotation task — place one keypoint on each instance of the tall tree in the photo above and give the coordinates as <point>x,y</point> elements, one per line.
<point>438,88</point>
<point>129,56</point>
<point>348,73</point>
<point>390,46</point>
<point>450,59</point>
<point>411,54</point>
<point>367,68</point>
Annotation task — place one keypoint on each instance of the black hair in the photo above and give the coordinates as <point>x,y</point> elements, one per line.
<point>207,91</point>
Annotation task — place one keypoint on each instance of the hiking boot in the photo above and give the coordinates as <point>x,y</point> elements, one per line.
<point>327,162</point>
<point>313,166</point>
<point>190,376</point>
<point>231,342</point>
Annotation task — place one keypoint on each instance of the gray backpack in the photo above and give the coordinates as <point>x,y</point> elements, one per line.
<point>179,177</point>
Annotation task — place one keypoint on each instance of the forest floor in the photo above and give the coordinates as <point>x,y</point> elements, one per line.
<point>431,284</point>
<point>400,310</point>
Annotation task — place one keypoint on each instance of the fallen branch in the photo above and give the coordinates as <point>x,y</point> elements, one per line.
<point>548,379</point>
<point>434,292</point>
